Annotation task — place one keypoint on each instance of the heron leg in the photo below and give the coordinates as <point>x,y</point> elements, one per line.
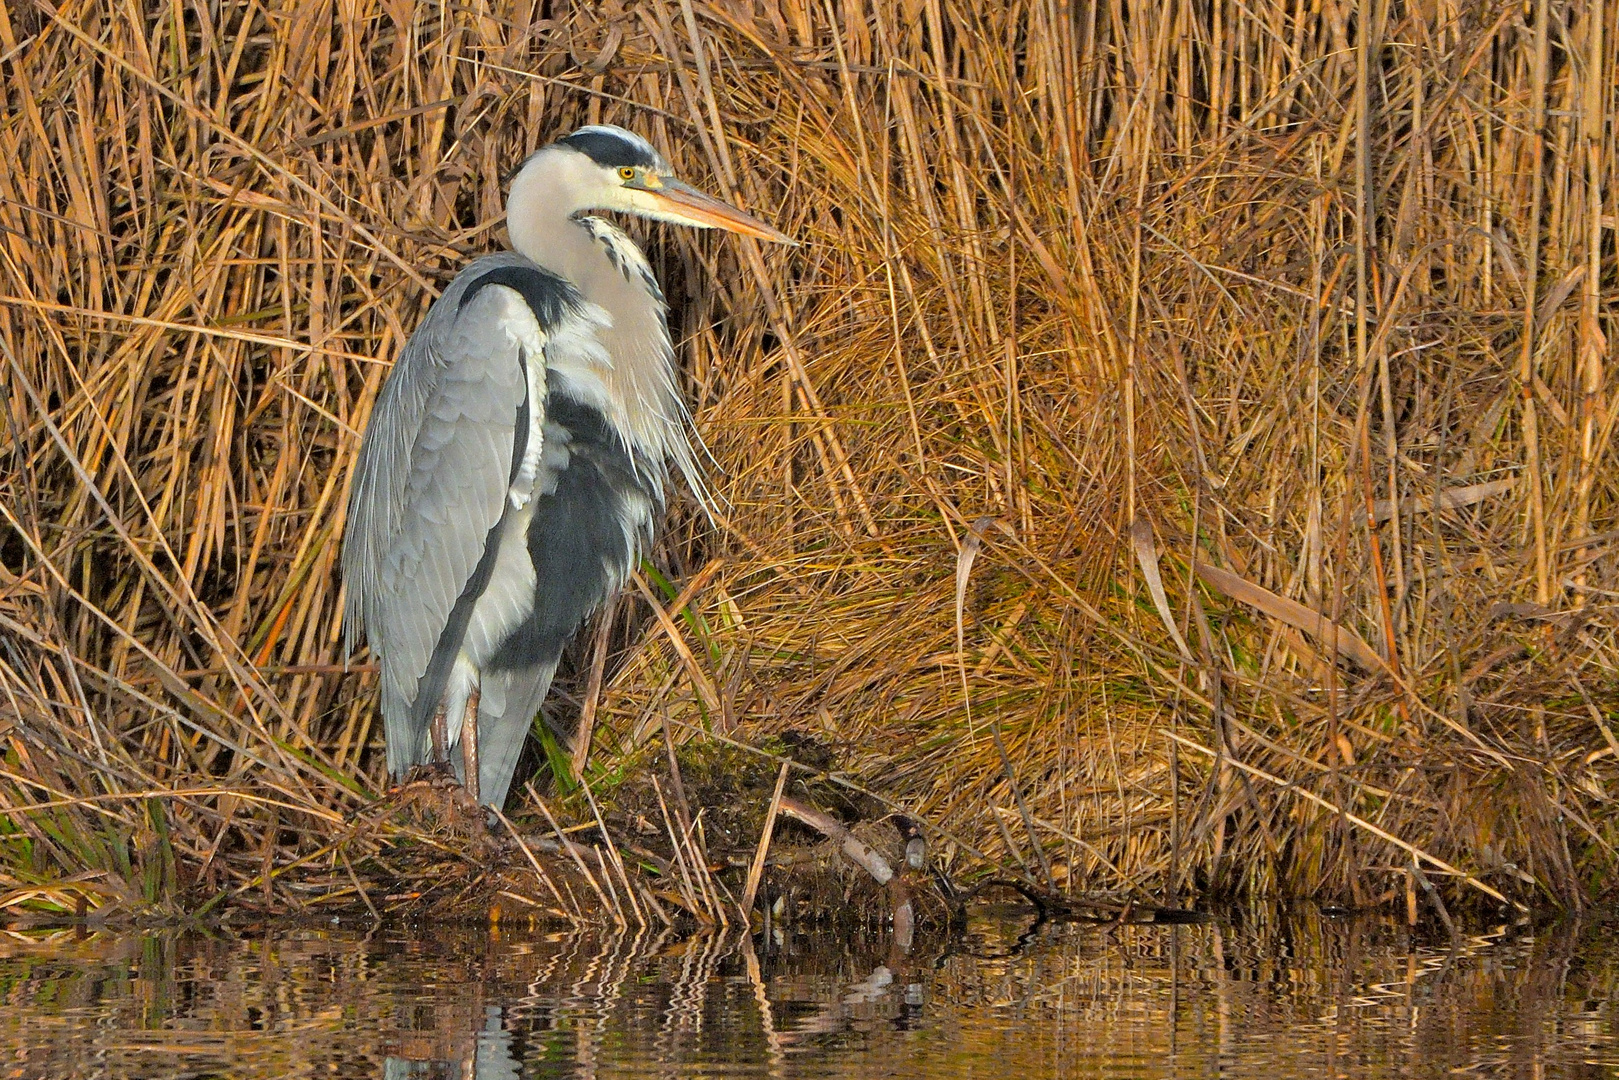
<point>469,740</point>
<point>441,735</point>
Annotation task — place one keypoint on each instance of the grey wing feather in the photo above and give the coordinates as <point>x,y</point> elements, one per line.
<point>431,480</point>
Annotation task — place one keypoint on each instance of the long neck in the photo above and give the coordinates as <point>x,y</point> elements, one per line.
<point>609,271</point>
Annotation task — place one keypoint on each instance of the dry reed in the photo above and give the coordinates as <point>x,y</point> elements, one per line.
<point>1246,366</point>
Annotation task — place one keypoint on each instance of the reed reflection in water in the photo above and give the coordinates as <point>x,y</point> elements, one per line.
<point>1273,998</point>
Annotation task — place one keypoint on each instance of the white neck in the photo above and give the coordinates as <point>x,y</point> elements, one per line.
<point>543,199</point>
<point>640,387</point>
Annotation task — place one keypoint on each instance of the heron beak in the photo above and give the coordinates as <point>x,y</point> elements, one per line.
<point>694,207</point>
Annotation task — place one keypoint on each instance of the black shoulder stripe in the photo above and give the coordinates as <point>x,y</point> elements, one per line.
<point>548,296</point>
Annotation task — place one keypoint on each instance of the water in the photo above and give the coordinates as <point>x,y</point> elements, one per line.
<point>1272,998</point>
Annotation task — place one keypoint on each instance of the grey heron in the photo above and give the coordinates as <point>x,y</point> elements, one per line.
<point>515,462</point>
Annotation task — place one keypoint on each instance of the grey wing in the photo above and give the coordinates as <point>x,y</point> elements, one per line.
<point>434,476</point>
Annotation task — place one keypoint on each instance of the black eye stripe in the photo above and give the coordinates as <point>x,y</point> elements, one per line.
<point>609,150</point>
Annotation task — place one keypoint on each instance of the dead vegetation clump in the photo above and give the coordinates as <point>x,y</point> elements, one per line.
<point>1179,460</point>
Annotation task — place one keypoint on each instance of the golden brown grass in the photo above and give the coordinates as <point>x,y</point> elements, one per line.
<point>1141,360</point>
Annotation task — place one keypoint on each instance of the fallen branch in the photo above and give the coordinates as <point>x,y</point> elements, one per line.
<point>862,855</point>
<point>854,849</point>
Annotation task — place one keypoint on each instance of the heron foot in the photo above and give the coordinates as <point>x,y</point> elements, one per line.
<point>431,794</point>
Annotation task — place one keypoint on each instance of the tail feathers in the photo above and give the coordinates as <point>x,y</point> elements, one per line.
<point>407,742</point>
<point>509,701</point>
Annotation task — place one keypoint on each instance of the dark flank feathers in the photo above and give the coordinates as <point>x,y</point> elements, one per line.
<point>577,540</point>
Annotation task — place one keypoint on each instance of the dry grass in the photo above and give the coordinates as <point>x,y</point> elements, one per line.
<point>1140,360</point>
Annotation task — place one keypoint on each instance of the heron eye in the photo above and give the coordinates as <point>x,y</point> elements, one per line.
<point>626,172</point>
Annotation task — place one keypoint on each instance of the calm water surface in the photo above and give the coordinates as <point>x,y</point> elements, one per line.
<point>1267,997</point>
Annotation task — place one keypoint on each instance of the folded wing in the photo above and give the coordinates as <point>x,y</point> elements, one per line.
<point>451,451</point>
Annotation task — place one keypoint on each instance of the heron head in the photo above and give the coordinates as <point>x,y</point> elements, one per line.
<point>602,167</point>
